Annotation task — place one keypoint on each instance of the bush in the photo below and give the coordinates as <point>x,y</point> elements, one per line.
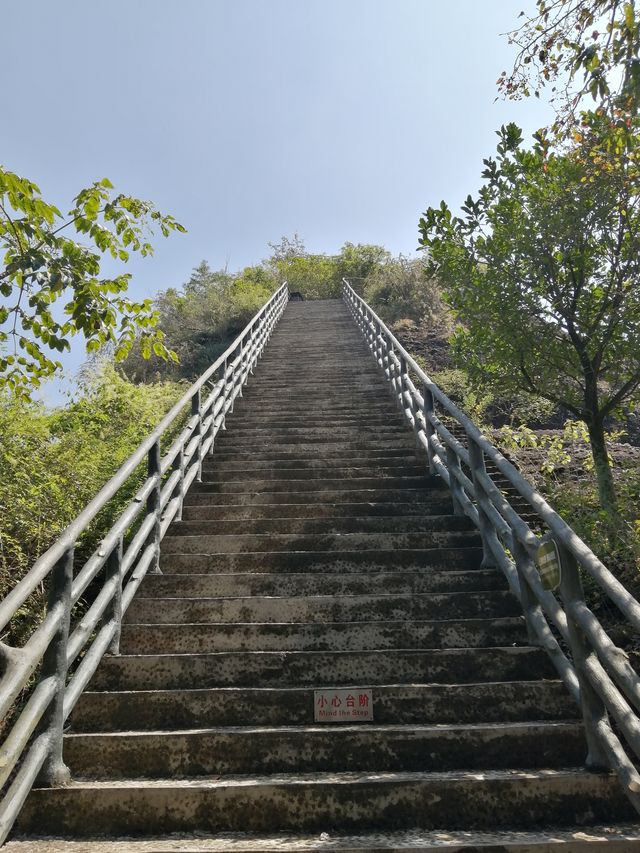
<point>399,289</point>
<point>53,463</point>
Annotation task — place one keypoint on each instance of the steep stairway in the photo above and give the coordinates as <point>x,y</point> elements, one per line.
<point>316,554</point>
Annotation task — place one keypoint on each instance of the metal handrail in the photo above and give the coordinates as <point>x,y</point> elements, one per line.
<point>65,655</point>
<point>596,672</point>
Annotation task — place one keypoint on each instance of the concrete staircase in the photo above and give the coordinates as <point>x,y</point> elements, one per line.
<point>317,553</point>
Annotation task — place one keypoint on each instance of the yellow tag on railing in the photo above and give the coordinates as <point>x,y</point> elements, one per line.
<point>549,564</point>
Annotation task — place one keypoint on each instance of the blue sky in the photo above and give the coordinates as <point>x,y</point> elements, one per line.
<point>252,119</point>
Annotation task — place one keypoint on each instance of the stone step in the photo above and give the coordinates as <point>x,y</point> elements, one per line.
<point>355,460</point>
<point>332,525</point>
<point>623,838</point>
<point>377,560</point>
<point>295,636</point>
<point>316,583</point>
<point>343,385</point>
<point>438,504</point>
<point>314,413</point>
<point>490,702</point>
<point>285,421</point>
<point>327,420</point>
<point>344,801</point>
<point>323,749</point>
<point>323,608</point>
<point>313,433</point>
<point>307,484</point>
<point>265,449</point>
<point>211,474</point>
<point>307,385</point>
<point>340,496</point>
<point>318,669</point>
<point>292,455</point>
<point>233,544</point>
<point>355,398</point>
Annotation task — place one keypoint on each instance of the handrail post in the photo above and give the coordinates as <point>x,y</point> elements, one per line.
<point>153,505</point>
<point>240,366</point>
<point>224,394</point>
<point>114,610</point>
<point>478,467</point>
<point>429,429</point>
<point>54,772</point>
<point>593,708</point>
<point>457,492</point>
<point>402,384</point>
<point>178,465</point>
<point>196,410</point>
<point>528,600</point>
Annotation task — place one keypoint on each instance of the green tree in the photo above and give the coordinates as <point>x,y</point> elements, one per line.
<point>201,318</point>
<point>42,265</point>
<point>543,270</point>
<point>320,276</point>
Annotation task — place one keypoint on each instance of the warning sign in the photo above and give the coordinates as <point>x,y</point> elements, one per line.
<point>342,706</point>
<point>549,564</point>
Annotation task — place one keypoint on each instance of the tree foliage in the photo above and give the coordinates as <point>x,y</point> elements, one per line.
<point>543,270</point>
<point>580,48</point>
<point>200,319</point>
<point>53,462</point>
<point>401,289</point>
<point>320,276</point>
<point>43,267</point>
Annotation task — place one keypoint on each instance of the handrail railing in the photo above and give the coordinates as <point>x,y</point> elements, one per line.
<point>67,654</point>
<point>596,672</point>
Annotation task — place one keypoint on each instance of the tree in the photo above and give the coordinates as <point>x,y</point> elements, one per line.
<point>320,276</point>
<point>42,265</point>
<point>543,271</point>
<point>201,318</point>
<point>287,248</point>
<point>580,48</point>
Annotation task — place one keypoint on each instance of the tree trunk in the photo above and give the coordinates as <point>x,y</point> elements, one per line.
<point>604,476</point>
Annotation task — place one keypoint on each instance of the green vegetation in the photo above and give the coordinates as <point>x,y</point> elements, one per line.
<point>540,268</point>
<point>200,319</point>
<point>42,266</point>
<point>582,49</point>
<point>53,462</point>
<point>542,273</point>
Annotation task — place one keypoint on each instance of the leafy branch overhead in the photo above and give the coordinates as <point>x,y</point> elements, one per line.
<point>51,286</point>
<point>579,48</point>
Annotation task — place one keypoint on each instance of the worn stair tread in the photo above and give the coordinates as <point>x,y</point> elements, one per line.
<point>395,703</point>
<point>380,559</point>
<point>319,509</point>
<point>346,778</point>
<point>321,669</point>
<point>341,542</point>
<point>333,524</point>
<point>278,583</point>
<point>265,497</point>
<point>318,636</point>
<point>351,800</point>
<point>338,729</point>
<point>341,607</point>
<point>189,753</point>
<point>592,839</point>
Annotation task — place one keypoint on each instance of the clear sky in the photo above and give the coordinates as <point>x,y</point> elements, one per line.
<point>253,119</point>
